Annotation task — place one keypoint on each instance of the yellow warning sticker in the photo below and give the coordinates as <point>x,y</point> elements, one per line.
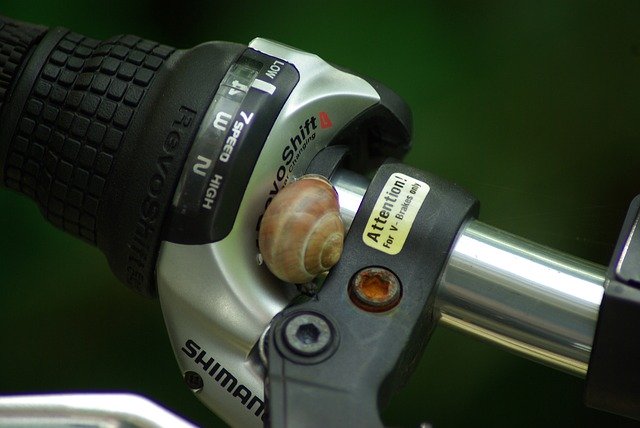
<point>393,215</point>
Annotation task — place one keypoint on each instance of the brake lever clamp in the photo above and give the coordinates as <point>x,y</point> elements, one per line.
<point>335,359</point>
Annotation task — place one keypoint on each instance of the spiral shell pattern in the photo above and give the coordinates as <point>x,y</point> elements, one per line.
<point>301,233</point>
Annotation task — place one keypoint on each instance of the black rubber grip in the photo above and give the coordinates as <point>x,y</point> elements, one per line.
<point>96,132</point>
<point>74,122</point>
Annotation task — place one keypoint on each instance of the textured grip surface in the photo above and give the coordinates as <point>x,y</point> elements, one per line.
<point>97,132</point>
<point>16,38</point>
<point>73,124</point>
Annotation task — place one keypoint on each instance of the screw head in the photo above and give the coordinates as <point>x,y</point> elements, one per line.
<point>194,381</point>
<point>307,334</point>
<point>375,289</point>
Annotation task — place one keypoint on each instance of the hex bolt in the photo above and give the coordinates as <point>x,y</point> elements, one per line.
<point>375,289</point>
<point>307,334</point>
<point>194,381</point>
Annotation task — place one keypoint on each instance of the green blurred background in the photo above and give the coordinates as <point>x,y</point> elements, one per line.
<point>532,106</point>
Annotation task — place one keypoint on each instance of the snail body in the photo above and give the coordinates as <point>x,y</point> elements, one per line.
<point>301,233</point>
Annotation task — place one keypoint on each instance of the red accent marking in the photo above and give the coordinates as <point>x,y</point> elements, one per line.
<point>325,122</point>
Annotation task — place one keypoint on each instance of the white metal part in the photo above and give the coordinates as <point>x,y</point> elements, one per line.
<point>86,410</point>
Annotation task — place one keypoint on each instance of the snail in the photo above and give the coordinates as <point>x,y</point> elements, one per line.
<point>301,232</point>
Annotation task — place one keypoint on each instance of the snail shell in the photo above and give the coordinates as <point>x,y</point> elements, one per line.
<point>301,232</point>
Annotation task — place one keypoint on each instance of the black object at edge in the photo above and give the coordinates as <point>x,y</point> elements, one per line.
<point>613,379</point>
